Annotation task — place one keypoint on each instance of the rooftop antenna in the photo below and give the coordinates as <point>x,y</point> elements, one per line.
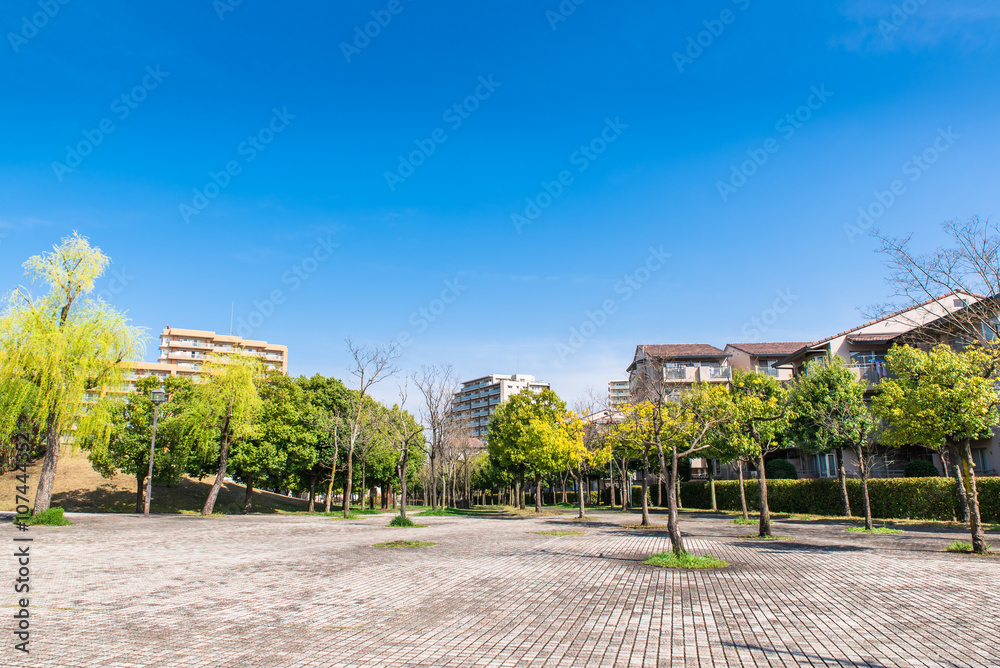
<point>232,310</point>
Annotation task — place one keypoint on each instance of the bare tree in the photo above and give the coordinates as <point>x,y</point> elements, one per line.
<point>406,435</point>
<point>437,384</point>
<point>370,365</point>
<point>962,281</point>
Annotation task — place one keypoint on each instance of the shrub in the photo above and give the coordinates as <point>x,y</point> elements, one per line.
<point>780,469</point>
<point>400,521</point>
<point>920,468</point>
<point>893,498</point>
<point>53,517</point>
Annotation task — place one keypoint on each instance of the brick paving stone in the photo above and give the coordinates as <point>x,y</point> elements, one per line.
<point>294,591</point>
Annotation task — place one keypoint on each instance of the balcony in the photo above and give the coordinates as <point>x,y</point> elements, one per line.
<point>870,373</point>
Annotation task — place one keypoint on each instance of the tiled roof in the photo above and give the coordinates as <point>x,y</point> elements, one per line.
<point>884,337</point>
<point>682,350</point>
<point>769,349</point>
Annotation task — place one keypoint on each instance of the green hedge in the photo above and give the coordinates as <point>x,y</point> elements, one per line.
<point>893,498</point>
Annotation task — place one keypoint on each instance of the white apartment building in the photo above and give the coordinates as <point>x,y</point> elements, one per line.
<point>618,392</point>
<point>476,401</point>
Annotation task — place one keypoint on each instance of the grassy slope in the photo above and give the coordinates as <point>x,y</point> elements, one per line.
<point>80,488</point>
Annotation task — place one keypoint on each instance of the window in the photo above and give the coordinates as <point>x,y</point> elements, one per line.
<point>958,303</point>
<point>980,460</point>
<point>826,465</point>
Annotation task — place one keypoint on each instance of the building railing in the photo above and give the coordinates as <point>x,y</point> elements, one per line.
<point>870,373</point>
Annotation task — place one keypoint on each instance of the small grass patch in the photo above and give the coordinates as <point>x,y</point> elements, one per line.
<point>405,522</point>
<point>440,512</point>
<point>959,546</point>
<point>53,517</point>
<point>404,543</point>
<point>744,522</point>
<point>562,533</point>
<point>648,526</point>
<point>753,536</point>
<point>873,530</point>
<point>582,519</point>
<point>686,560</point>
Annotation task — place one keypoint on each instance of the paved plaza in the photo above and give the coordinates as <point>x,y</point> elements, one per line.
<point>296,591</point>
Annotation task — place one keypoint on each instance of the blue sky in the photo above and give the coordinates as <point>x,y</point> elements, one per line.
<point>608,127</point>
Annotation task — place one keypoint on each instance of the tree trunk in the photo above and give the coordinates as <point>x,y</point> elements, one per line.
<point>963,499</point>
<point>565,498</point>
<point>47,476</point>
<point>312,493</point>
<point>711,488</point>
<point>520,490</point>
<point>659,491</point>
<point>978,538</point>
<point>645,486</point>
<point>743,491</point>
<point>842,480</point>
<point>579,496</point>
<point>611,479</point>
<point>676,541</point>
<point>765,513</point>
<point>140,481</point>
<point>329,493</point>
<point>864,488</point>
<point>433,485</point>
<point>538,492</point>
<point>248,499</point>
<point>626,488</point>
<point>349,481</point>
<point>213,494</point>
<point>401,469</point>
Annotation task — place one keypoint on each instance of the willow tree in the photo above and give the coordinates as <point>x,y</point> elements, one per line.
<point>226,408</point>
<point>60,350</point>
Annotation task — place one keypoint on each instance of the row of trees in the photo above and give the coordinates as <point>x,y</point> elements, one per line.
<point>64,357</point>
<point>939,399</point>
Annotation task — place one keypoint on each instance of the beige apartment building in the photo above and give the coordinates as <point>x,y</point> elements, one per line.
<point>478,399</point>
<point>183,352</point>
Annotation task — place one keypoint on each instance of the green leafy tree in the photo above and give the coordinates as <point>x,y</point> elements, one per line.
<point>327,404</point>
<point>58,350</point>
<point>281,449</point>
<point>941,400</point>
<point>677,429</point>
<point>517,443</point>
<point>126,450</point>
<point>828,413</point>
<point>758,419</point>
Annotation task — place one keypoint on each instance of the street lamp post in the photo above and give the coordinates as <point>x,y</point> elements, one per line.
<point>157,397</point>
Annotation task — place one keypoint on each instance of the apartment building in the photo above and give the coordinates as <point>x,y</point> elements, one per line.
<point>672,368</point>
<point>763,357</point>
<point>863,349</point>
<point>188,349</point>
<point>477,399</point>
<point>618,392</point>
